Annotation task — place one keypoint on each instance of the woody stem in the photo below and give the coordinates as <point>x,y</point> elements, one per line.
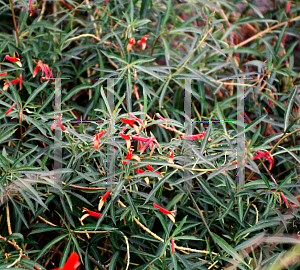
<point>14,19</point>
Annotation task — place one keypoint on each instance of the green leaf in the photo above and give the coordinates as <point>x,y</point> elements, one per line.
<point>277,45</point>
<point>166,14</point>
<point>113,261</point>
<point>182,222</point>
<point>289,107</point>
<point>251,125</point>
<point>227,248</point>
<point>114,56</point>
<point>159,184</point>
<point>286,179</point>
<point>141,61</point>
<point>163,223</point>
<point>47,229</point>
<point>36,91</point>
<point>74,90</point>
<point>65,254</point>
<point>49,245</point>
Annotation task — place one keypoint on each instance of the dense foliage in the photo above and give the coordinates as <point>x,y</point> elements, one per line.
<point>118,172</point>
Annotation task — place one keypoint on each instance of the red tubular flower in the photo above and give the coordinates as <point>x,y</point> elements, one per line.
<point>161,118</point>
<point>288,5</point>
<point>30,8</point>
<point>139,171</point>
<point>125,136</point>
<point>131,122</point>
<point>68,6</point>
<point>3,74</point>
<point>172,246</point>
<point>171,157</point>
<point>53,126</point>
<point>137,119</point>
<point>170,214</point>
<point>285,200</point>
<point>6,84</point>
<point>57,123</point>
<point>89,214</point>
<point>130,43</point>
<point>20,116</point>
<point>267,155</point>
<point>72,262</point>
<point>149,167</point>
<point>60,124</point>
<point>138,138</point>
<point>96,138</point>
<point>146,145</point>
<point>143,41</point>
<point>45,70</point>
<point>105,2</point>
<point>9,110</point>
<point>20,82</point>
<point>38,66</point>
<point>130,156</point>
<point>14,60</point>
<point>197,136</point>
<point>103,198</point>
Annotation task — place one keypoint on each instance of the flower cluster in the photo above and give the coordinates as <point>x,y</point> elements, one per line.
<point>57,123</point>
<point>14,81</point>
<point>140,42</point>
<point>96,138</point>
<point>266,155</point>
<point>45,70</point>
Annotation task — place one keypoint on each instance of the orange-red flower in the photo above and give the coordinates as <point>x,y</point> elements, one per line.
<point>197,136</point>
<point>96,138</point>
<point>130,156</point>
<point>126,137</point>
<point>267,155</point>
<point>285,200</point>
<point>20,82</point>
<point>139,171</point>
<point>288,5</point>
<point>9,110</point>
<point>57,123</point>
<point>6,84</point>
<point>130,43</point>
<point>152,169</point>
<point>30,8</point>
<point>3,74</point>
<point>137,119</point>
<point>105,2</point>
<point>45,70</point>
<point>14,60</point>
<point>131,122</point>
<point>170,214</point>
<point>171,157</point>
<point>68,6</point>
<point>161,118</point>
<point>20,115</point>
<point>143,41</point>
<point>172,246</point>
<point>103,198</point>
<point>72,262</point>
<point>89,214</point>
<point>150,140</point>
